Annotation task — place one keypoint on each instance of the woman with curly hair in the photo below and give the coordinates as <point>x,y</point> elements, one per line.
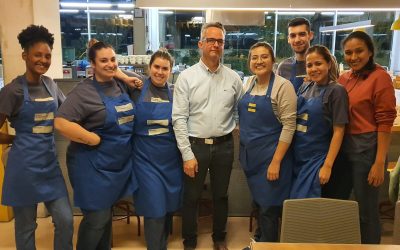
<point>33,174</point>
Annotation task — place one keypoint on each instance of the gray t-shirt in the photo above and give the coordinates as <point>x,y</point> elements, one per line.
<point>85,106</point>
<point>12,95</point>
<point>285,68</point>
<point>335,101</point>
<point>153,92</point>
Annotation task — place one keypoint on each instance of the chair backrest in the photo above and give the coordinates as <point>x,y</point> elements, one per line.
<point>396,225</point>
<point>320,220</point>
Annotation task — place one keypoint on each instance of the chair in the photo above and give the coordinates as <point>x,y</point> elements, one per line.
<point>320,220</point>
<point>396,225</point>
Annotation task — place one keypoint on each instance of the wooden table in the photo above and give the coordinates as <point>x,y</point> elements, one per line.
<point>319,246</point>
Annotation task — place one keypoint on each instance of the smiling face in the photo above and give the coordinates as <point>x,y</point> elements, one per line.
<point>356,54</point>
<point>317,68</point>
<point>104,65</point>
<point>299,38</point>
<point>261,61</point>
<point>159,71</point>
<point>37,59</point>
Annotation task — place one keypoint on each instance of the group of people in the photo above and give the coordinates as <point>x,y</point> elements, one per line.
<point>304,132</point>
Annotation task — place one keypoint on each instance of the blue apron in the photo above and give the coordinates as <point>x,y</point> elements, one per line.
<point>103,174</point>
<point>311,144</point>
<point>157,160</point>
<point>33,173</point>
<point>259,136</point>
<point>295,80</point>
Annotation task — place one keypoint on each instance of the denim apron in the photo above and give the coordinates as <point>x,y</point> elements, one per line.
<point>296,81</point>
<point>311,144</point>
<point>103,174</point>
<point>33,173</point>
<point>259,136</point>
<point>157,159</point>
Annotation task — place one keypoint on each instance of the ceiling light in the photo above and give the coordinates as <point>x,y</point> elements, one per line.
<point>68,11</point>
<point>85,5</point>
<point>347,26</point>
<point>165,12</point>
<point>126,5</point>
<point>348,13</point>
<point>106,11</point>
<point>295,13</point>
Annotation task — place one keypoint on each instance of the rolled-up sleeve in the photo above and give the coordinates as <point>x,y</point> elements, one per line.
<point>180,116</point>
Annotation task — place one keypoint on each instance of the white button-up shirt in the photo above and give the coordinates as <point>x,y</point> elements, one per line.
<point>205,104</point>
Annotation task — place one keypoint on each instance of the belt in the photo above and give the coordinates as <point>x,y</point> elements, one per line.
<point>211,140</point>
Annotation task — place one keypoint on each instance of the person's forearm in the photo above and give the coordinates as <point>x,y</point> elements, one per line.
<point>382,147</point>
<point>6,138</point>
<point>121,75</point>
<point>280,151</point>
<point>334,147</point>
<point>75,132</point>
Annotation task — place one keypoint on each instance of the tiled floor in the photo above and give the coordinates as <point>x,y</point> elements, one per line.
<point>125,236</point>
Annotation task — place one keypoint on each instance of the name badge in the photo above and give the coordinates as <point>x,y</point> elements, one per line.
<point>303,116</point>
<point>251,110</point>
<point>158,122</point>
<point>123,108</point>
<point>158,100</point>
<point>125,119</point>
<point>42,129</point>
<point>47,99</point>
<point>252,105</point>
<point>158,131</point>
<point>44,116</point>
<point>301,128</point>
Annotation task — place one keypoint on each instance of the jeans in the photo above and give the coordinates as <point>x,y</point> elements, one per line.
<point>156,231</point>
<point>268,224</point>
<point>25,224</point>
<point>95,230</point>
<point>217,159</point>
<point>366,195</point>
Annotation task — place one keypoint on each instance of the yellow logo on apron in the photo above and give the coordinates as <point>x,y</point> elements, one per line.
<point>252,107</point>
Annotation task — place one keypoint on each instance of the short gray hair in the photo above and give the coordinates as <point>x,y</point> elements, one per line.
<point>211,25</point>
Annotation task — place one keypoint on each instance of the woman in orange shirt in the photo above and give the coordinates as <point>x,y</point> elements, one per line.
<point>361,162</point>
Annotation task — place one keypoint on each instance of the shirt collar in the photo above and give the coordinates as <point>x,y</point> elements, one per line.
<point>204,66</point>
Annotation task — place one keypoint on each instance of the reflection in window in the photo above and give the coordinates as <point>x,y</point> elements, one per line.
<point>112,24</point>
<point>380,33</point>
<point>179,33</point>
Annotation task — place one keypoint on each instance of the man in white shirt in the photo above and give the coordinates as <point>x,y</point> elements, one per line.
<point>204,115</point>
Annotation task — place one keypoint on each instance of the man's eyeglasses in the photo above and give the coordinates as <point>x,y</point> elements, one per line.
<point>211,41</point>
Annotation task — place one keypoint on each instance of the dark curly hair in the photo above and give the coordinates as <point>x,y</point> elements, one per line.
<point>34,34</point>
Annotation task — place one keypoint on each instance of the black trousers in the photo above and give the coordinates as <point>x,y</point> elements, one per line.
<point>217,159</point>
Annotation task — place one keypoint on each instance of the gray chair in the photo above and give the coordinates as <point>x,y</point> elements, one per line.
<point>320,220</point>
<point>396,225</point>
